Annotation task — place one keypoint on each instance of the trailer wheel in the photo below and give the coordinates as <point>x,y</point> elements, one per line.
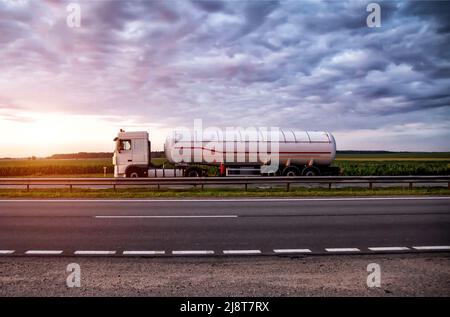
<point>310,171</point>
<point>192,172</point>
<point>291,171</point>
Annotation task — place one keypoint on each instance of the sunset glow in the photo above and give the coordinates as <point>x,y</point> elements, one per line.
<point>155,66</point>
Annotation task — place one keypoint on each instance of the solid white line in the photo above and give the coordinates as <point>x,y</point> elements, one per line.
<point>241,251</point>
<point>389,249</point>
<point>342,250</point>
<point>434,247</point>
<point>292,250</point>
<point>193,252</point>
<point>91,252</point>
<point>143,252</point>
<point>223,200</point>
<point>4,252</point>
<point>138,217</point>
<point>44,252</point>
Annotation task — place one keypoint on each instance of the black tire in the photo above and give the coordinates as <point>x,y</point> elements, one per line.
<point>310,171</point>
<point>193,172</point>
<point>134,172</point>
<point>291,171</point>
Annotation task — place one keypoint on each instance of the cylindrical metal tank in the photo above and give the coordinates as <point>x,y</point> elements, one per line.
<point>250,147</point>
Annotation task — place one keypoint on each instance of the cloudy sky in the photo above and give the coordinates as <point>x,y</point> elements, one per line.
<point>156,65</point>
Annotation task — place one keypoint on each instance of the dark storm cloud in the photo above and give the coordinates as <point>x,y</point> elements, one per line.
<point>210,6</point>
<point>308,64</point>
<point>437,11</point>
<point>255,14</point>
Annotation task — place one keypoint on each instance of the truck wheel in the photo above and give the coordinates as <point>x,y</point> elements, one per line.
<point>291,171</point>
<point>192,172</point>
<point>133,173</point>
<point>310,171</point>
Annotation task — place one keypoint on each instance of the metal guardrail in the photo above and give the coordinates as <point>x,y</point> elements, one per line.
<point>245,181</point>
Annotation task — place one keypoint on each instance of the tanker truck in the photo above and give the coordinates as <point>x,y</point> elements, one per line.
<point>285,152</point>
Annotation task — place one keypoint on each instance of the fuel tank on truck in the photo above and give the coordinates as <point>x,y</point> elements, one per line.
<point>242,146</point>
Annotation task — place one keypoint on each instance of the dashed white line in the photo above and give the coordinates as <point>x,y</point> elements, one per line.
<point>241,252</point>
<point>227,252</point>
<point>292,251</point>
<point>143,252</point>
<point>43,252</point>
<point>388,249</point>
<point>342,249</point>
<point>5,252</point>
<point>181,216</point>
<point>193,252</point>
<point>434,247</point>
<point>92,252</point>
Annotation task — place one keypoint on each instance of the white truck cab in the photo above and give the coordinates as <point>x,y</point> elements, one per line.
<point>132,154</point>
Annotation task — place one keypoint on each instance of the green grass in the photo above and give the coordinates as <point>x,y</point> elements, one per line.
<point>408,156</point>
<point>158,162</point>
<point>392,168</point>
<point>401,159</point>
<point>48,167</point>
<point>63,167</point>
<point>389,164</point>
<point>108,175</point>
<point>50,162</point>
<point>40,193</point>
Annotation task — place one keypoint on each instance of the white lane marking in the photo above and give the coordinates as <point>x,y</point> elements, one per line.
<point>221,200</point>
<point>292,250</point>
<point>3,252</point>
<point>241,251</point>
<point>342,249</point>
<point>433,247</point>
<point>44,252</point>
<point>206,252</point>
<point>143,252</point>
<point>138,217</point>
<point>92,252</point>
<point>193,252</point>
<point>388,249</point>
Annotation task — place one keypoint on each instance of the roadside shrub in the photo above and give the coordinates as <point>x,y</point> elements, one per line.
<point>392,168</point>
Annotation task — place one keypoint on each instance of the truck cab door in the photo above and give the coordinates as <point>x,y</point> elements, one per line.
<point>140,151</point>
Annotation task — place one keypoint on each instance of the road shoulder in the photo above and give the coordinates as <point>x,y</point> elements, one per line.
<point>401,275</point>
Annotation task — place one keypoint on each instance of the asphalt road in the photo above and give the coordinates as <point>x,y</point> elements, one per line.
<point>223,227</point>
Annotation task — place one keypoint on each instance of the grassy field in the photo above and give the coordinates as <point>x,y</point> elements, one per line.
<point>389,164</point>
<point>225,193</point>
<point>399,156</point>
<point>54,167</point>
<point>353,164</point>
<point>392,167</point>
